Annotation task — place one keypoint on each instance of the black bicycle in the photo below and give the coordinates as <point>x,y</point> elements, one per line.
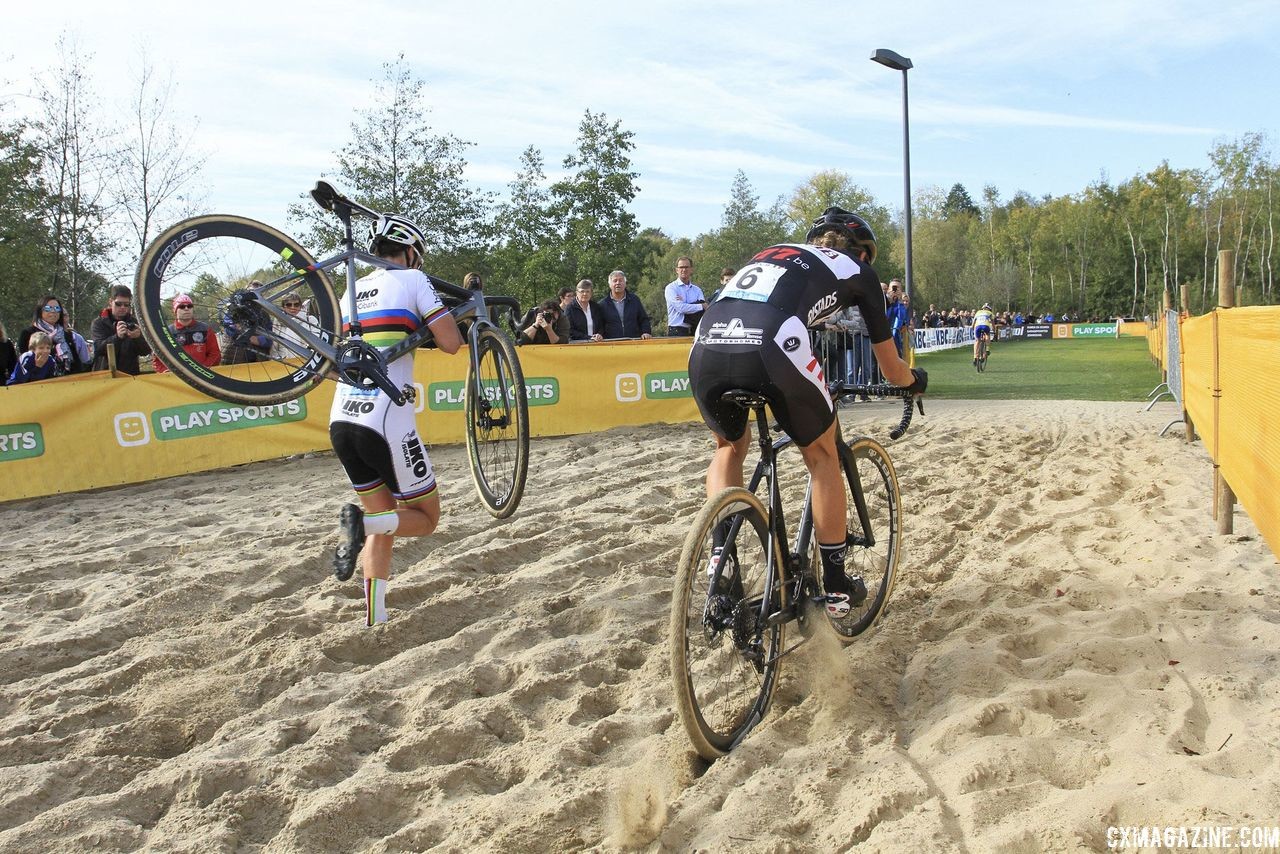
<point>737,587</point>
<point>984,349</point>
<point>284,332</point>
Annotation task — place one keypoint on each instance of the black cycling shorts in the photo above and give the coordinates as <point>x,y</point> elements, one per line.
<point>371,461</point>
<point>757,347</point>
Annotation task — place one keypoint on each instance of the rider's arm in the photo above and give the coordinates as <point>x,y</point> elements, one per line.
<point>444,329</point>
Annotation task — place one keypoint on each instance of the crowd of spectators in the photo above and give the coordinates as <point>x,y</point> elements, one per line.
<point>52,347</point>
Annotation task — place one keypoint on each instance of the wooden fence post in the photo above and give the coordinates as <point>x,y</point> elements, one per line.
<point>1185,311</point>
<point>1225,497</point>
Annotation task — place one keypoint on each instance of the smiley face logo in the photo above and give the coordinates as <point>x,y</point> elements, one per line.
<point>132,429</point>
<point>626,388</point>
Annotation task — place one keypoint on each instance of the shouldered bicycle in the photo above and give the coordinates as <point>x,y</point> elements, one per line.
<point>247,276</point>
<point>738,587</point>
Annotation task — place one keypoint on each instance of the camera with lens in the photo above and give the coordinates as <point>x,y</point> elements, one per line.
<point>547,317</point>
<point>130,325</point>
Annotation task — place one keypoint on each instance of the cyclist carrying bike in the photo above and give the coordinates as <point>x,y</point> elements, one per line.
<point>983,324</point>
<point>755,336</point>
<point>376,441</point>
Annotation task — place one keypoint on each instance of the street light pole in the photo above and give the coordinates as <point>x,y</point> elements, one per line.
<point>898,62</point>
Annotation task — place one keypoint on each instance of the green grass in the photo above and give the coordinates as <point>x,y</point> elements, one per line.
<point>1089,369</point>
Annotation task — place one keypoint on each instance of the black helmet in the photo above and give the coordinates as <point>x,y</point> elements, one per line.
<point>849,224</point>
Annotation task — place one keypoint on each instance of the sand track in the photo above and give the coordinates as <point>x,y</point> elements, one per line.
<point>181,673</point>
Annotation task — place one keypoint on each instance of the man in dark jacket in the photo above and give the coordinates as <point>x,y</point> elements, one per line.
<point>586,319</point>
<point>117,327</point>
<point>624,314</point>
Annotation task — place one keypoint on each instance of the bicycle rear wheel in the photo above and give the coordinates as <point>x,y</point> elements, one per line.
<point>981,364</point>
<point>497,415</point>
<point>724,666</point>
<point>232,268</point>
<point>874,522</point>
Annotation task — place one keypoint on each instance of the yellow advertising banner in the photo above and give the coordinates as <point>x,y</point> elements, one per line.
<point>93,430</point>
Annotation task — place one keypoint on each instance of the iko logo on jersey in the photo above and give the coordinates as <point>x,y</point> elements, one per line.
<point>20,442</point>
<point>414,456</point>
<point>733,332</point>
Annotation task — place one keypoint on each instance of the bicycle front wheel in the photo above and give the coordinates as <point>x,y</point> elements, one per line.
<point>254,288</point>
<point>497,414</point>
<point>874,523</point>
<point>724,655</point>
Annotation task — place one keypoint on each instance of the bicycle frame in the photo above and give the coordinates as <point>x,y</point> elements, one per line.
<point>356,371</point>
<point>791,561</point>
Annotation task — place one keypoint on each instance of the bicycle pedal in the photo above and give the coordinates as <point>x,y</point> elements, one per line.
<point>410,393</point>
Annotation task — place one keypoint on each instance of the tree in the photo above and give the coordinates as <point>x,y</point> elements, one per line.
<point>25,257</point>
<point>744,230</point>
<point>395,163</point>
<point>76,158</point>
<point>832,188</point>
<point>528,260</point>
<point>959,203</point>
<point>157,160</point>
<point>591,202</point>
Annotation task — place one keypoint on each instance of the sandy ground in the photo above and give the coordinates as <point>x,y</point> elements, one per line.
<point>1070,647</point>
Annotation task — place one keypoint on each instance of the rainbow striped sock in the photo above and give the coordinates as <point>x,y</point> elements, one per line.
<point>375,601</point>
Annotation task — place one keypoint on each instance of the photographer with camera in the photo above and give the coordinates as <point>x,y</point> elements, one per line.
<point>538,325</point>
<point>117,327</point>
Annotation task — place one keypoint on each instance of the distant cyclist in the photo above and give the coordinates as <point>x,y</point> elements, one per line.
<point>984,324</point>
<point>376,441</point>
<point>755,336</point>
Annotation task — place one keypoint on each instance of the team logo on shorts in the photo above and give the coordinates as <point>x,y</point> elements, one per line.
<point>734,332</point>
<point>791,345</point>
<point>414,456</point>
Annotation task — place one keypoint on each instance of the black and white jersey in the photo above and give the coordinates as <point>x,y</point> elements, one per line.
<point>811,283</point>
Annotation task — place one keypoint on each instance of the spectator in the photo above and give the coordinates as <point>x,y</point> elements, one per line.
<point>562,325</point>
<point>200,342</point>
<point>69,347</point>
<point>37,363</point>
<point>897,313</point>
<point>473,282</point>
<point>586,318</point>
<point>538,325</point>
<point>116,329</point>
<point>624,314</point>
<point>726,274</point>
<point>293,306</point>
<point>246,341</point>
<point>8,356</point>
<point>685,301</point>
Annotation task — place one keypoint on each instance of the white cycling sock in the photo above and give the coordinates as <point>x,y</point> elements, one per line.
<point>385,522</point>
<point>375,600</point>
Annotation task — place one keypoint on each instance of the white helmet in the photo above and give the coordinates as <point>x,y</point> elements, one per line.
<point>390,228</point>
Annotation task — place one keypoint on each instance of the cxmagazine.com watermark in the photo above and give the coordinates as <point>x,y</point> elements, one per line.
<point>1186,838</point>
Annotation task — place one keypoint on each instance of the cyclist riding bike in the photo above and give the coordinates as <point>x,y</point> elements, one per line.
<point>377,441</point>
<point>984,323</point>
<point>755,336</point>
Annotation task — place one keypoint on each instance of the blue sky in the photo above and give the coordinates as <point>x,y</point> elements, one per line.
<point>1041,99</point>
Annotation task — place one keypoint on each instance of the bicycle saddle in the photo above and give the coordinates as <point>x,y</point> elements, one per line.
<point>325,195</point>
<point>744,398</point>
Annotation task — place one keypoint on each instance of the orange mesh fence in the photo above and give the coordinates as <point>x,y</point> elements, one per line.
<point>1249,412</point>
<point>1232,394</point>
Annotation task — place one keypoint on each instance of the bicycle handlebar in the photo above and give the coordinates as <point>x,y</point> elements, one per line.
<point>884,390</point>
